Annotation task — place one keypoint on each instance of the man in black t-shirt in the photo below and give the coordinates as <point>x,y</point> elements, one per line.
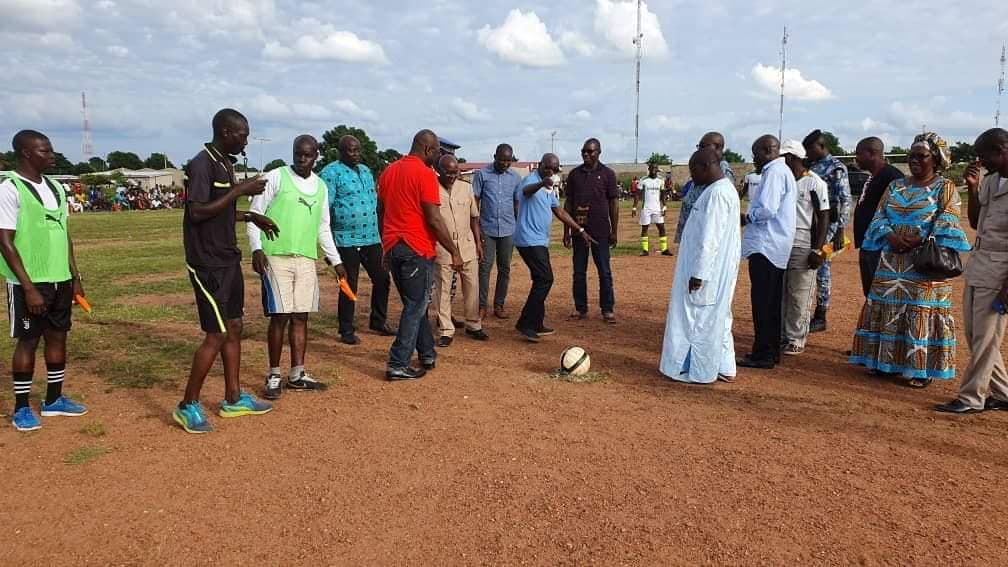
<point>870,156</point>
<point>214,263</point>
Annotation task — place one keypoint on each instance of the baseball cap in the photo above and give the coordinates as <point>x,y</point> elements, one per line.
<point>794,148</point>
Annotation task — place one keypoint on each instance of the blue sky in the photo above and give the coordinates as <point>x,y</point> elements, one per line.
<point>482,73</point>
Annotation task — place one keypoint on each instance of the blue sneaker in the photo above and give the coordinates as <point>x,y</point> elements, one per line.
<point>246,405</point>
<point>26,420</point>
<point>63,406</point>
<point>192,418</point>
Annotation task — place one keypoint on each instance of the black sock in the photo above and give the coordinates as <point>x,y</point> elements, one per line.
<point>54,387</point>
<point>22,387</point>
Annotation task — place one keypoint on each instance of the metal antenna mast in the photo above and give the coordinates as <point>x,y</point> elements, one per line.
<point>639,42</point>
<point>1001,88</point>
<point>783,66</point>
<point>87,147</point>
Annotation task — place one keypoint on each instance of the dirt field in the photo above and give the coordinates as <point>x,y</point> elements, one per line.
<point>489,460</point>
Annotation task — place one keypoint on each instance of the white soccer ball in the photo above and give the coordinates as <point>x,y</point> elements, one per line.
<point>575,360</point>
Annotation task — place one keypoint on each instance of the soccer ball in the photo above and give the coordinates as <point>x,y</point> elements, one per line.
<point>575,360</point>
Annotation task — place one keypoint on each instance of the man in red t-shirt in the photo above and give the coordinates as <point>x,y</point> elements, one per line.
<point>411,227</point>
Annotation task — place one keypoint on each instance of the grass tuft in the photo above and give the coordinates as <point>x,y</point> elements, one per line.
<point>93,429</point>
<point>591,377</point>
<point>84,455</point>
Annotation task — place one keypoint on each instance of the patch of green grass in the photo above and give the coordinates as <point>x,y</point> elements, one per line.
<point>93,429</point>
<point>590,377</point>
<point>84,455</point>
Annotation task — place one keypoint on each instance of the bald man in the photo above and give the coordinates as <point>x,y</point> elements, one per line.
<point>698,345</point>
<point>715,142</point>
<point>295,198</point>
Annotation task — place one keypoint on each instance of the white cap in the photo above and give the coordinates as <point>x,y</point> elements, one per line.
<point>794,148</point>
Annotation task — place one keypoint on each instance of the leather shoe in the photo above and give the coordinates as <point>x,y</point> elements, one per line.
<point>748,362</point>
<point>500,313</point>
<point>384,331</point>
<point>349,339</point>
<point>396,374</point>
<point>479,335</point>
<point>429,365</point>
<point>996,404</point>
<point>956,406</point>
<point>444,342</point>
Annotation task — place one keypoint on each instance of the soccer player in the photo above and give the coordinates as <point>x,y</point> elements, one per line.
<point>296,199</point>
<point>42,277</point>
<point>214,263</point>
<point>653,209</point>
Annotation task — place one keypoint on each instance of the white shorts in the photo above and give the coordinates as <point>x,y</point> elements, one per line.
<point>290,285</point>
<point>651,216</point>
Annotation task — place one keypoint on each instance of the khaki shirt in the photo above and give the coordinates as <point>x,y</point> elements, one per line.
<point>988,264</point>
<point>458,208</point>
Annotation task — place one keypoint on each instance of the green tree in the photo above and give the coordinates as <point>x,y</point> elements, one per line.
<point>7,160</point>
<point>963,153</point>
<point>82,168</point>
<point>899,158</point>
<point>732,157</point>
<point>833,144</point>
<point>158,160</point>
<point>660,159</point>
<point>329,149</point>
<point>63,165</point>
<point>389,155</point>
<point>240,167</point>
<point>274,164</point>
<point>97,164</point>
<point>129,160</point>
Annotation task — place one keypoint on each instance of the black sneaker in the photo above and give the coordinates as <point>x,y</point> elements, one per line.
<point>530,335</point>
<point>350,339</point>
<point>429,364</point>
<point>384,331</point>
<point>667,253</point>
<point>274,387</point>
<point>396,374</point>
<point>545,331</point>
<point>306,382</point>
<point>444,342</point>
<point>479,335</point>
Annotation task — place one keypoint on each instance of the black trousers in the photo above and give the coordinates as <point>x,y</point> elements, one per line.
<point>767,295</point>
<point>868,261</point>
<point>538,261</point>
<point>371,258</point>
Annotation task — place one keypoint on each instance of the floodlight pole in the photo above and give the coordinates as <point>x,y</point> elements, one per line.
<point>638,41</point>
<point>783,66</point>
<point>1001,88</point>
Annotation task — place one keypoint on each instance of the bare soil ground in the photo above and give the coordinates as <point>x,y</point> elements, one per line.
<point>489,460</point>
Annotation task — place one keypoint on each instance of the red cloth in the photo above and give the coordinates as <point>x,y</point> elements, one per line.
<point>402,187</point>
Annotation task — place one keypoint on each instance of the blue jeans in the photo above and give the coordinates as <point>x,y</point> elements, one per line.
<point>413,276</point>
<point>496,250</point>
<point>600,254</point>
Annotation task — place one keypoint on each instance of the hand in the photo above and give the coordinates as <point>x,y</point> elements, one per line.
<point>78,287</point>
<point>340,271</point>
<point>567,241</point>
<point>695,284</point>
<point>1003,295</point>
<point>479,252</point>
<point>259,262</point>
<point>457,262</point>
<point>744,221</point>
<point>972,175</point>
<point>252,186</point>
<point>612,239</point>
<point>587,238</point>
<point>633,212</point>
<point>814,260</point>
<point>269,228</point>
<point>34,301</point>
<point>838,240</point>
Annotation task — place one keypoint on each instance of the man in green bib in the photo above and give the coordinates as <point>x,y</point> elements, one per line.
<point>42,278</point>
<point>297,201</point>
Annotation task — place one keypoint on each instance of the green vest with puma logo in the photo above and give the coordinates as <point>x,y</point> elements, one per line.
<point>297,216</point>
<point>41,235</point>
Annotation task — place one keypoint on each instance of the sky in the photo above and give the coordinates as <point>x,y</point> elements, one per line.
<point>481,73</point>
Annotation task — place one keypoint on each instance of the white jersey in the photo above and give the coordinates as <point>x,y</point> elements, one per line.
<point>651,190</point>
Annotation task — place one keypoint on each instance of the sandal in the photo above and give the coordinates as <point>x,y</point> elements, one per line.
<point>918,383</point>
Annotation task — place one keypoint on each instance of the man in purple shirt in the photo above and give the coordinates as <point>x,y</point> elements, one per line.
<point>593,201</point>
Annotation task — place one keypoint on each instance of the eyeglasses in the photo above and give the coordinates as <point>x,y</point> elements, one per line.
<point>919,156</point>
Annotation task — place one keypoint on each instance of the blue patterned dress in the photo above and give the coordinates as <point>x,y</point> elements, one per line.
<point>906,325</point>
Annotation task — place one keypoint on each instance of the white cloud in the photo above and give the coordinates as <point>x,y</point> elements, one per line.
<point>796,87</point>
<point>522,39</point>
<point>38,14</point>
<point>616,22</point>
<point>664,122</point>
<point>468,110</point>
<point>583,115</point>
<point>350,108</point>
<point>53,39</point>
<point>574,41</point>
<point>117,50</point>
<point>269,106</point>
<point>910,118</point>
<point>323,41</point>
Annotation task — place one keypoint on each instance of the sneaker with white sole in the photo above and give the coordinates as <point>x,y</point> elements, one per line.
<point>793,350</point>
<point>306,382</point>
<point>26,420</point>
<point>63,406</point>
<point>274,387</point>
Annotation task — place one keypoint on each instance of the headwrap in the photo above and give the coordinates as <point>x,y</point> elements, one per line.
<point>938,148</point>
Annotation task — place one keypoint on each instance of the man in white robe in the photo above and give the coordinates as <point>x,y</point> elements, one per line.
<point>698,345</point>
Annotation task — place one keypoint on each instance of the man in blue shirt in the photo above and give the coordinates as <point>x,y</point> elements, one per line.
<point>494,187</point>
<point>538,203</point>
<point>353,216</point>
<point>769,236</point>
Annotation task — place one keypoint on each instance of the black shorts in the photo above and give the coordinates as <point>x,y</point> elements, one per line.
<point>220,295</point>
<point>58,299</point>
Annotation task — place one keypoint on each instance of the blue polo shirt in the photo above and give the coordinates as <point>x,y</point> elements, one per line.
<point>353,204</point>
<point>496,194</point>
<point>535,214</point>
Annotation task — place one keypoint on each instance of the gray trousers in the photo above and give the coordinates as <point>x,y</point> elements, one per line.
<point>495,251</point>
<point>799,288</point>
<point>985,331</point>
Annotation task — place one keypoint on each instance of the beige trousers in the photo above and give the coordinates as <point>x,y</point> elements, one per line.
<point>985,330</point>
<point>469,278</point>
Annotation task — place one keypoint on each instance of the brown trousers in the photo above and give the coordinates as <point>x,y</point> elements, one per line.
<point>985,331</point>
<point>469,278</point>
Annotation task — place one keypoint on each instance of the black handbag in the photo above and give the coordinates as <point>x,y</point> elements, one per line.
<point>935,261</point>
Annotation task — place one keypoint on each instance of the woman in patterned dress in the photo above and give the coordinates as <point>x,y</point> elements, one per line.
<point>906,326</point>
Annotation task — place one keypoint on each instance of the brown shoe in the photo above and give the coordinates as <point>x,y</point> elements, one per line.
<point>500,313</point>
<point>609,318</point>
<point>577,316</point>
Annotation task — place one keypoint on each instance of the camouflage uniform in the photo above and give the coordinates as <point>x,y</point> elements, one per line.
<point>835,174</point>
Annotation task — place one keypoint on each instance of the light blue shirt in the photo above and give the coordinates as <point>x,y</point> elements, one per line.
<point>496,193</point>
<point>535,214</point>
<point>772,215</point>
